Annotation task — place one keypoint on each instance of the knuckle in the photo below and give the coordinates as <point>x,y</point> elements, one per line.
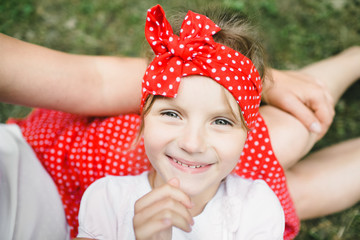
<point>167,213</point>
<point>169,202</point>
<point>137,221</point>
<point>167,188</point>
<point>332,113</point>
<point>136,206</point>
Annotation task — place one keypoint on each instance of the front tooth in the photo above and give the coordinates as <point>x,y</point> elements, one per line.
<point>185,165</point>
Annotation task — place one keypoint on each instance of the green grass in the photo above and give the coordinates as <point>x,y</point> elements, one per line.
<point>294,33</point>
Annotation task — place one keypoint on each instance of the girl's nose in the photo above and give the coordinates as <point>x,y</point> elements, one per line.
<point>193,139</point>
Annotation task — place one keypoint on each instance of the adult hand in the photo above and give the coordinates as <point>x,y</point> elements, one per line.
<point>161,209</point>
<point>303,97</point>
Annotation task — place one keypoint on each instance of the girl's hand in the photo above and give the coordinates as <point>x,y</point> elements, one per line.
<point>161,209</point>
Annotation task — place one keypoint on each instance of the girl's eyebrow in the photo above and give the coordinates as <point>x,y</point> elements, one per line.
<point>167,100</point>
<point>170,102</point>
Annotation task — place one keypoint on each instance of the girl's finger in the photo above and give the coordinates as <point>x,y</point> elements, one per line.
<point>165,191</point>
<point>151,229</point>
<point>175,219</point>
<point>164,204</point>
<point>160,221</point>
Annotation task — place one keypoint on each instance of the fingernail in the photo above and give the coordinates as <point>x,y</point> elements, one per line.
<point>315,127</point>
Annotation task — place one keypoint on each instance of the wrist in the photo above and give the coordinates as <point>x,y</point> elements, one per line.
<point>354,54</point>
<point>268,83</point>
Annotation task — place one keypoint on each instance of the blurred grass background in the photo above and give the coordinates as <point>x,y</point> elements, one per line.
<point>294,33</point>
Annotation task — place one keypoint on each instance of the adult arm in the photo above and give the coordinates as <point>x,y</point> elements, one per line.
<point>36,76</point>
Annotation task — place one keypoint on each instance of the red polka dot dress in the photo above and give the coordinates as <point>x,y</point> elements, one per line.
<point>77,150</point>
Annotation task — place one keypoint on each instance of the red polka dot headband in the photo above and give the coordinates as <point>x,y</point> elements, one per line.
<point>195,52</point>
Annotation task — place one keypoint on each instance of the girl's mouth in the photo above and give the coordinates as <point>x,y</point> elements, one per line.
<point>186,165</point>
<point>189,167</point>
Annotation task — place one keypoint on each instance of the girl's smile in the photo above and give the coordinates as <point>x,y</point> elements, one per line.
<point>196,137</point>
<point>188,166</point>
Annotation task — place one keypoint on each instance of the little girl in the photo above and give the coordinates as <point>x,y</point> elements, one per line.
<point>199,100</point>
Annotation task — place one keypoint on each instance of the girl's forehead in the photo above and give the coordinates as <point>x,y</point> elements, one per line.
<point>204,91</point>
<point>199,87</point>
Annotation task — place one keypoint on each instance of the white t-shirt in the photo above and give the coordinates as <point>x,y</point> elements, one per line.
<point>241,209</point>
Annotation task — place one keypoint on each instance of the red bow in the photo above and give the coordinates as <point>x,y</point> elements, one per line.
<point>195,52</point>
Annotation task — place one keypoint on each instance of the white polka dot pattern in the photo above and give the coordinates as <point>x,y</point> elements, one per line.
<point>195,52</point>
<point>76,151</point>
<point>259,162</point>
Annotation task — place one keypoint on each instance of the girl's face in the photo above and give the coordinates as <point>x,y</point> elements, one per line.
<point>194,137</point>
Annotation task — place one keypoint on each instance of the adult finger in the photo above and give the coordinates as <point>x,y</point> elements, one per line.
<point>297,108</point>
<point>320,101</point>
<point>324,112</point>
<point>320,110</point>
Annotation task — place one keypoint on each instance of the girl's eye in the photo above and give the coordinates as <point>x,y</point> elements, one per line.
<point>223,122</point>
<point>170,114</point>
